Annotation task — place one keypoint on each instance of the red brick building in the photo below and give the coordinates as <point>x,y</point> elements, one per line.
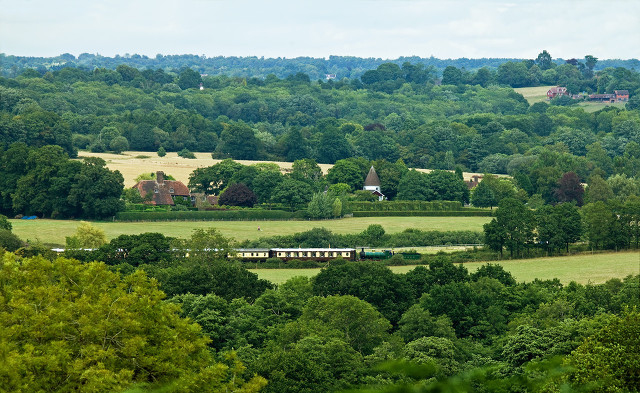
<point>164,192</point>
<point>556,91</point>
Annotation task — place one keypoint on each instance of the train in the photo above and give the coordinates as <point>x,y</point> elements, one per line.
<point>317,254</point>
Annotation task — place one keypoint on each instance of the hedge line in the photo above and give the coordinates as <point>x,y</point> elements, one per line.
<point>419,213</point>
<point>244,214</point>
<point>406,206</point>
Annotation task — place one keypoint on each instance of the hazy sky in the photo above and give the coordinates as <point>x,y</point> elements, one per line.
<point>290,28</point>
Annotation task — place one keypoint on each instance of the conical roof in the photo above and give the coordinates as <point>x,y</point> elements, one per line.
<point>372,178</point>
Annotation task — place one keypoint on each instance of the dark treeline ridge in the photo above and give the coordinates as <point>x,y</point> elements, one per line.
<point>323,334</point>
<point>259,67</point>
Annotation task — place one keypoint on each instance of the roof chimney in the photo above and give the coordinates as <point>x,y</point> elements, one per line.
<point>160,177</point>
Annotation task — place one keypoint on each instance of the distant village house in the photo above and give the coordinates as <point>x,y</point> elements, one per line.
<point>556,91</point>
<point>163,192</point>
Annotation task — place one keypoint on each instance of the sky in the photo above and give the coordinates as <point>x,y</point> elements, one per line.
<point>384,29</point>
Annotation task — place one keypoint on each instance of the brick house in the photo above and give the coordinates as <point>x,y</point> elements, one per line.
<point>164,192</point>
<point>621,95</point>
<point>556,91</point>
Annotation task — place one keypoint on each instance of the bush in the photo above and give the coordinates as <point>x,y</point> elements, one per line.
<point>162,152</point>
<point>4,223</point>
<point>185,153</point>
<point>9,241</point>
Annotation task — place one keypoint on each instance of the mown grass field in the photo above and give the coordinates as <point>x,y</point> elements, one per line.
<point>584,268</point>
<point>55,231</point>
<point>534,94</point>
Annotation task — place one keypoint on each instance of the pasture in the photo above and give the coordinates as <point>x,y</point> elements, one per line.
<point>54,232</point>
<point>583,268</point>
<point>534,94</point>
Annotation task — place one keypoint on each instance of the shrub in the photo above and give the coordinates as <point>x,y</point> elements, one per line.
<point>185,153</point>
<point>9,241</point>
<point>4,223</point>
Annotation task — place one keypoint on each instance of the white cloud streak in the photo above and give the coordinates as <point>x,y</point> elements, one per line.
<point>289,28</point>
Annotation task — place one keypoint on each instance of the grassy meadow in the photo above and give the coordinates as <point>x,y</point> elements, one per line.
<point>584,268</point>
<point>55,231</point>
<point>534,94</point>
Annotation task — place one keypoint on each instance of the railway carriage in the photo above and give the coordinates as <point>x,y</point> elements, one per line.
<point>315,254</point>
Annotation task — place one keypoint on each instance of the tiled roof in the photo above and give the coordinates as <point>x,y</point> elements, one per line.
<point>372,178</point>
<point>162,192</point>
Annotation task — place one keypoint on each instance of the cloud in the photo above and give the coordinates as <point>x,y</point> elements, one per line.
<point>288,28</point>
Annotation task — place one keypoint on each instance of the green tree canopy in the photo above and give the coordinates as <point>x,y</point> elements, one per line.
<point>96,331</point>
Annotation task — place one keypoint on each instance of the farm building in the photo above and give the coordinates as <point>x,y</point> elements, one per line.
<point>164,192</point>
<point>372,183</point>
<point>621,95</point>
<point>474,181</point>
<point>556,91</point>
<point>617,96</point>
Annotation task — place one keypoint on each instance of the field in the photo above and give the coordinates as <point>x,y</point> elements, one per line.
<point>534,94</point>
<point>539,94</point>
<point>133,163</point>
<point>585,268</point>
<point>55,231</point>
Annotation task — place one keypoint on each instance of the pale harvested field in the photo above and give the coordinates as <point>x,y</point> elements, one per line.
<point>133,163</point>
<point>584,269</point>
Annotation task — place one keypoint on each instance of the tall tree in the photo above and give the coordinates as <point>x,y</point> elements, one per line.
<point>99,331</point>
<point>569,189</point>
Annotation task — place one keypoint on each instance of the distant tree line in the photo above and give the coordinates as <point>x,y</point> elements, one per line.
<point>251,66</point>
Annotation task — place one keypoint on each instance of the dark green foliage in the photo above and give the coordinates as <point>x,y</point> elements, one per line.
<point>494,271</point>
<point>513,227</point>
<point>422,213</point>
<point>371,282</point>
<point>238,195</point>
<point>144,249</point>
<point>4,223</point>
<point>185,153</point>
<point>406,206</point>
<point>10,241</point>
<point>218,277</point>
<point>51,185</point>
<point>293,193</point>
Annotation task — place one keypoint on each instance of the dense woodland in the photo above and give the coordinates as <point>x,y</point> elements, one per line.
<point>475,332</point>
<point>66,324</point>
